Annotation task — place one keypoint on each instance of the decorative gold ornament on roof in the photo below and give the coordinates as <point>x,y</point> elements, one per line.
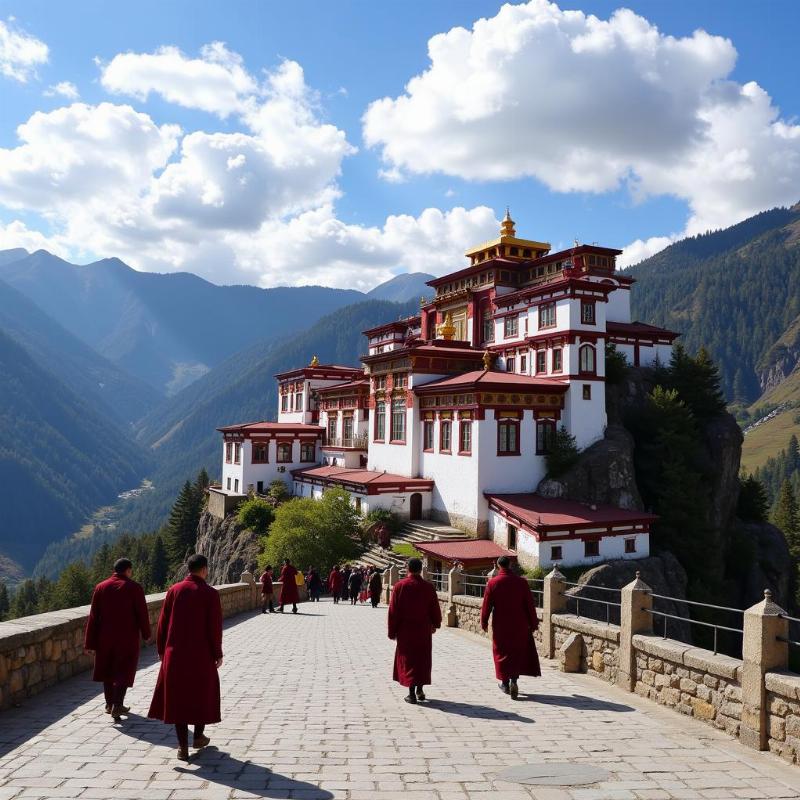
<point>507,225</point>
<point>314,362</point>
<point>447,330</point>
<point>487,360</point>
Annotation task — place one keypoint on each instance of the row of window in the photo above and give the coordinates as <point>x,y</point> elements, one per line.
<point>397,423</point>
<point>587,362</point>
<point>591,549</point>
<point>446,436</point>
<point>260,453</point>
<point>508,438</point>
<point>547,319</point>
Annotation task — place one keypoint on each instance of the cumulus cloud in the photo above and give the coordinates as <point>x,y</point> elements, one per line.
<point>65,89</point>
<point>20,53</point>
<point>17,234</point>
<point>585,104</point>
<point>216,82</point>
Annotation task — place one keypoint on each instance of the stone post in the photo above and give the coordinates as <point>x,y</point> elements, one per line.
<point>392,576</point>
<point>425,573</point>
<point>636,601</point>
<point>553,601</point>
<point>455,585</point>
<point>761,653</point>
<point>247,577</point>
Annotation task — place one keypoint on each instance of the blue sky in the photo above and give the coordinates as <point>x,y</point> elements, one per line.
<point>352,54</point>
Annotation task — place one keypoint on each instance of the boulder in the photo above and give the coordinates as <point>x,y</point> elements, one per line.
<point>569,654</point>
<point>772,567</point>
<point>230,548</point>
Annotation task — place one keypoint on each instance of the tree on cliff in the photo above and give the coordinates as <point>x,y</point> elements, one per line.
<point>753,503</point>
<point>5,604</point>
<point>73,587</point>
<point>181,530</point>
<point>256,514</point>
<point>312,532</point>
<point>787,518</point>
<point>159,564</point>
<point>696,380</point>
<point>563,453</point>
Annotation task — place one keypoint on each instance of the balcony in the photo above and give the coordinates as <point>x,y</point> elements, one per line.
<point>345,443</point>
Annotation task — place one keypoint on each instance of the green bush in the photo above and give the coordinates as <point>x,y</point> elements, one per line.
<point>389,518</point>
<point>278,491</point>
<point>563,454</point>
<point>256,514</point>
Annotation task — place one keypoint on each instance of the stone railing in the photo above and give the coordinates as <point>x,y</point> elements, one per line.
<point>38,651</point>
<point>755,698</point>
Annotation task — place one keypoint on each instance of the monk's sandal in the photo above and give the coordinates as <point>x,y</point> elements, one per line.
<point>183,755</point>
<point>200,742</point>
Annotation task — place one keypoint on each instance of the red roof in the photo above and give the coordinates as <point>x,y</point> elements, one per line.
<point>494,380</point>
<point>271,427</point>
<point>549,513</point>
<point>363,477</point>
<point>399,325</point>
<point>464,550</point>
<point>338,387</point>
<point>640,329</point>
<point>322,371</point>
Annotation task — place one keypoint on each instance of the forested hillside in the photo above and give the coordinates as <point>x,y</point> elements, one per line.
<point>734,291</point>
<point>59,457</point>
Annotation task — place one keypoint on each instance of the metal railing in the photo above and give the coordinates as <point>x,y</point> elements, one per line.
<point>537,589</point>
<point>787,639</point>
<point>716,627</point>
<point>578,599</point>
<point>354,442</point>
<point>439,580</point>
<point>475,585</point>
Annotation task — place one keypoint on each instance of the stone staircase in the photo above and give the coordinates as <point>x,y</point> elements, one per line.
<point>421,530</point>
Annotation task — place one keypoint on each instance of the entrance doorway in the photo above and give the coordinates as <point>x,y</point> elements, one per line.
<point>415,506</point>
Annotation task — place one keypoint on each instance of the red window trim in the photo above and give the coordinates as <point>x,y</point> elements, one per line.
<point>375,438</point>
<point>461,423</point>
<point>593,304</point>
<point>552,360</point>
<point>594,359</point>
<point>515,423</point>
<point>237,452</point>
<point>278,459</point>
<point>229,452</point>
<point>442,423</point>
<point>541,371</point>
<point>539,316</point>
<point>253,459</point>
<point>548,422</point>
<point>313,452</point>
<point>425,424</point>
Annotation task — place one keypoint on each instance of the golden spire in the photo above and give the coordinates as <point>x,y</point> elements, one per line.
<point>447,330</point>
<point>507,225</point>
<point>487,360</point>
<point>314,362</point>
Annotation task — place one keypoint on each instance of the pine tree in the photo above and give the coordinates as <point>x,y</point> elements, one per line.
<point>25,601</point>
<point>697,382</point>
<point>563,453</point>
<point>73,587</point>
<point>787,518</point>
<point>792,456</point>
<point>181,530</point>
<point>5,604</point>
<point>753,504</point>
<point>159,565</point>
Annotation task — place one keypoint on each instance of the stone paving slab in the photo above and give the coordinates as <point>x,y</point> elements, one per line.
<point>309,711</point>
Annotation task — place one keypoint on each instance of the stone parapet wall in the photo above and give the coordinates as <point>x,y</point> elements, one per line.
<point>38,651</point>
<point>783,709</point>
<point>691,680</point>
<point>600,648</point>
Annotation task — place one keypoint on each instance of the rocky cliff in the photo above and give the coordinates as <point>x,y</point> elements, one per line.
<point>230,548</point>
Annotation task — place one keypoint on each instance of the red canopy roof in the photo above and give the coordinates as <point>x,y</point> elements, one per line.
<point>271,427</point>
<point>640,330</point>
<point>494,380</point>
<point>363,477</point>
<point>549,513</point>
<point>464,550</point>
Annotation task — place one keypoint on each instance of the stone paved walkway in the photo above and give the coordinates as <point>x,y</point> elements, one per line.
<point>310,712</point>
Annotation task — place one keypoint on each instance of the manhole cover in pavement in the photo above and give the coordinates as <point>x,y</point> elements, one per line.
<point>553,774</point>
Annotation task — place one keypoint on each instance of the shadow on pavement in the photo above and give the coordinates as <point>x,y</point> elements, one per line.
<point>578,701</point>
<point>474,711</point>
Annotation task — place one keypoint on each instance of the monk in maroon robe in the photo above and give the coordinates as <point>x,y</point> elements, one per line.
<point>189,642</point>
<point>117,619</point>
<point>266,591</point>
<point>335,583</point>
<point>414,616</point>
<point>289,592</point>
<point>509,602</point>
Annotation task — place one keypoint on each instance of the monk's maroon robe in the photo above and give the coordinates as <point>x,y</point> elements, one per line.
<point>414,614</point>
<point>117,619</point>
<point>266,585</point>
<point>509,602</point>
<point>189,642</point>
<point>289,593</point>
<point>335,582</point>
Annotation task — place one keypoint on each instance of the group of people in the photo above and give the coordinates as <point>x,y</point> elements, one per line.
<point>188,640</point>
<point>189,635</point>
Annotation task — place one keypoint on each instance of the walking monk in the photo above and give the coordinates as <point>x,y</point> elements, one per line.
<point>508,600</point>
<point>266,590</point>
<point>335,583</point>
<point>289,592</point>
<point>414,616</point>
<point>117,618</point>
<point>189,642</point>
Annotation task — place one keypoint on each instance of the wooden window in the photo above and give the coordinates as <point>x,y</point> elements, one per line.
<point>545,436</point>
<point>587,312</point>
<point>523,364</point>
<point>284,402</point>
<point>427,436</point>
<point>488,327</point>
<point>510,327</point>
<point>398,432</point>
<point>347,429</point>
<point>229,484</point>
<point>236,486</point>
<point>380,421</point>
<point>556,553</point>
<point>445,434</point>
<point>228,453</point>
<point>557,359</point>
<point>380,382</point>
<point>508,437</point>
<point>547,315</point>
<point>512,537</point>
<point>630,545</point>
<point>260,453</point>
<point>307,451</point>
<point>587,391</point>
<point>591,549</point>
<point>284,453</point>
<point>465,437</point>
<point>400,379</point>
<point>510,363</point>
<point>237,453</point>
<point>541,361</point>
<point>331,428</point>
<point>586,359</point>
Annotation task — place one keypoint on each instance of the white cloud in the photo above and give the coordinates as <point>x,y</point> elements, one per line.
<point>17,234</point>
<point>65,89</point>
<point>216,82</point>
<point>643,248</point>
<point>20,53</point>
<point>584,104</point>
